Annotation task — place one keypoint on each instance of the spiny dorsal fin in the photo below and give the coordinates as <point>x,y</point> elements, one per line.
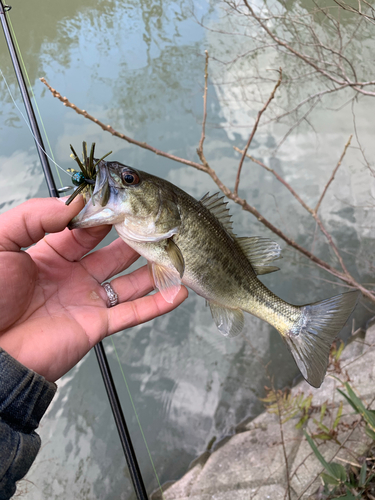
<point>219,209</point>
<point>260,252</point>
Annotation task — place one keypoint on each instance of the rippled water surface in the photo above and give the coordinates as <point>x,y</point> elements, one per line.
<point>139,65</point>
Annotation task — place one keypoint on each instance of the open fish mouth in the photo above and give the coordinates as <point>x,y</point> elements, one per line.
<point>102,206</point>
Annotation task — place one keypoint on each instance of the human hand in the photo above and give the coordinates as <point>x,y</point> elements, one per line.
<point>53,309</point>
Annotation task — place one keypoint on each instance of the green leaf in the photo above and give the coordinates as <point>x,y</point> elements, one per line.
<point>349,400</point>
<point>348,496</point>
<point>329,479</point>
<point>301,421</point>
<point>353,396</point>
<point>307,403</point>
<point>370,432</point>
<point>338,416</point>
<point>289,416</point>
<point>338,471</point>
<point>357,404</point>
<point>321,426</point>
<point>322,435</point>
<point>339,350</point>
<point>369,416</point>
<point>362,475</point>
<point>317,453</point>
<point>334,470</point>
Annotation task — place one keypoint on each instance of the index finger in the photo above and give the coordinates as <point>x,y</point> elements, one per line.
<point>28,223</point>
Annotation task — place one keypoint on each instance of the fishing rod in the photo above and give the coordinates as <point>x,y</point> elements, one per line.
<point>118,414</point>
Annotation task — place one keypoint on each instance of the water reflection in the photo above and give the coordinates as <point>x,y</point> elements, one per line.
<point>139,66</point>
<point>21,169</point>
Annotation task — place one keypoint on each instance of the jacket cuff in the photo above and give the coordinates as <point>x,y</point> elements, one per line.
<point>24,395</point>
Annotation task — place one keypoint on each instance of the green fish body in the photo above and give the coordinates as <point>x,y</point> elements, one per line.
<point>192,242</point>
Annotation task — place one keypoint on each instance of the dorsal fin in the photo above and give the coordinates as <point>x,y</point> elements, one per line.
<point>260,252</point>
<point>219,209</point>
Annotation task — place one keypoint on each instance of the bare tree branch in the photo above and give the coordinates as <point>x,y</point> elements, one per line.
<point>108,128</point>
<point>305,206</point>
<point>333,175</point>
<point>203,135</point>
<point>368,17</point>
<point>204,167</point>
<point>300,55</point>
<point>254,130</point>
<point>280,179</point>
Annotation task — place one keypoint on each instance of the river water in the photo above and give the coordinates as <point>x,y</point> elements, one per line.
<point>139,65</point>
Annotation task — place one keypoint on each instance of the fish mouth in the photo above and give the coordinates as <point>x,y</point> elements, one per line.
<point>102,208</point>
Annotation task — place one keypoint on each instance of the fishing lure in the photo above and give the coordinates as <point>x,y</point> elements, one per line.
<point>85,178</point>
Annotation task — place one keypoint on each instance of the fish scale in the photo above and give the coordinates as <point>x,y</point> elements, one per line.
<point>191,242</point>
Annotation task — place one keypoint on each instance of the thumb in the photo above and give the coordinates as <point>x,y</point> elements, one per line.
<point>28,223</point>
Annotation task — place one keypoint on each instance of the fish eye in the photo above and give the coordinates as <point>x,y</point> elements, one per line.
<point>130,177</point>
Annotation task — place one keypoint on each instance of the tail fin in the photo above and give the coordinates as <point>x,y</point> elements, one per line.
<point>311,338</point>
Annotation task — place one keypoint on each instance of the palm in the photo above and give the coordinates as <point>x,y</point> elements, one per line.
<point>56,308</point>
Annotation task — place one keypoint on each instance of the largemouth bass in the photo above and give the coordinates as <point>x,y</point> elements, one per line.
<point>192,242</point>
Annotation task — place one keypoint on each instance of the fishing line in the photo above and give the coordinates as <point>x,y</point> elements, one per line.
<point>29,127</point>
<point>34,98</point>
<point>131,458</point>
<point>58,166</point>
<point>136,416</point>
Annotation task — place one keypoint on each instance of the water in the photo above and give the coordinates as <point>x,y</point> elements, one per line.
<point>140,67</point>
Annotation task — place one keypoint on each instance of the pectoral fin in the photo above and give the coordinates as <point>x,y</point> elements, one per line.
<point>177,259</point>
<point>230,322</point>
<point>166,280</point>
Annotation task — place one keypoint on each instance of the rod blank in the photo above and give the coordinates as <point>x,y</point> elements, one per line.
<point>122,428</point>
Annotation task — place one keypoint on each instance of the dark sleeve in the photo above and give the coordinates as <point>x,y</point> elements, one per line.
<point>24,398</point>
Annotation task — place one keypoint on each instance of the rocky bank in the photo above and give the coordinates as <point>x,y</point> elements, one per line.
<point>251,464</point>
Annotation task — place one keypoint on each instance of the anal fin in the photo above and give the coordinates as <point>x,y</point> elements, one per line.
<point>230,322</point>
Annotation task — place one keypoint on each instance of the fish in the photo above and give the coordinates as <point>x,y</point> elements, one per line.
<point>191,242</point>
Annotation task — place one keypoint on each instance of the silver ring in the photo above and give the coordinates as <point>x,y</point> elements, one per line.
<point>111,294</point>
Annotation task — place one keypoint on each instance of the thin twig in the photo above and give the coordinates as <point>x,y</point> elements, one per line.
<point>305,206</point>
<point>331,243</point>
<point>290,49</point>
<point>359,142</point>
<point>317,64</point>
<point>349,8</point>
<point>279,178</point>
<point>284,450</point>
<point>254,130</point>
<point>111,130</point>
<point>333,175</point>
<point>203,135</point>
